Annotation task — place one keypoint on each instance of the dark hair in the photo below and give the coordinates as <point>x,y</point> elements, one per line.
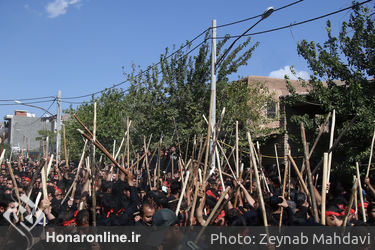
<point>175,187</point>
<point>274,202</point>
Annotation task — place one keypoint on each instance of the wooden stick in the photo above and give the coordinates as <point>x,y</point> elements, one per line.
<point>2,156</point>
<point>347,212</point>
<point>158,164</point>
<point>104,151</point>
<point>14,182</point>
<point>74,184</point>
<point>277,163</point>
<point>146,163</point>
<point>371,152</point>
<point>360,193</point>
<point>214,142</point>
<point>44,178</point>
<point>65,150</point>
<point>299,175</point>
<point>260,194</point>
<point>331,144</point>
<point>336,142</point>
<point>192,212</point>
<point>321,129</point>
<point>89,171</point>
<point>93,170</point>
<point>35,176</point>
<point>283,192</point>
<point>355,199</point>
<point>226,159</point>
<point>324,190</point>
<point>237,152</point>
<point>127,141</point>
<point>219,168</point>
<point>309,175</point>
<point>211,215</point>
<point>216,206</point>
<point>182,193</point>
<point>114,149</point>
<point>118,150</point>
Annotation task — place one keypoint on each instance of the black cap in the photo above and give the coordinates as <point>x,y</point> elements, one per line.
<point>164,217</point>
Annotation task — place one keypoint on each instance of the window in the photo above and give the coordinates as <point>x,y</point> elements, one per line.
<point>272,110</point>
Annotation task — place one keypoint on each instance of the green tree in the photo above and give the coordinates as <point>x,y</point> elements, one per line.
<point>350,58</point>
<point>177,89</point>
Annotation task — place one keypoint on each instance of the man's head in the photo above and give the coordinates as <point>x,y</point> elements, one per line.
<point>9,184</point>
<point>148,212</point>
<point>58,194</point>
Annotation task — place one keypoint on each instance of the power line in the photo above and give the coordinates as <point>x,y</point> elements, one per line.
<point>260,15</point>
<point>140,73</point>
<point>45,112</point>
<point>25,99</point>
<point>177,51</point>
<point>26,103</point>
<point>295,24</point>
<point>189,43</point>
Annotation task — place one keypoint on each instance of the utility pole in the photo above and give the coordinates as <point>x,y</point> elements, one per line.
<point>58,126</point>
<point>213,88</point>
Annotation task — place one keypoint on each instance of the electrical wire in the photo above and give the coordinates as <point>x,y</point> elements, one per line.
<point>26,103</point>
<point>45,112</point>
<point>295,24</point>
<point>260,15</point>
<point>188,43</point>
<point>175,52</point>
<point>25,99</point>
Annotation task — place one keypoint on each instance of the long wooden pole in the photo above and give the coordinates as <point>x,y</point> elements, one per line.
<point>237,153</point>
<point>2,156</point>
<point>277,163</point>
<point>74,184</point>
<point>309,175</point>
<point>333,123</point>
<point>299,176</point>
<point>347,212</point>
<point>336,142</point>
<point>93,170</point>
<point>146,162</point>
<point>127,141</point>
<point>182,193</point>
<point>259,188</point>
<point>283,192</point>
<point>65,150</point>
<point>192,212</point>
<point>321,129</point>
<point>360,193</point>
<point>324,190</point>
<point>104,151</point>
<point>371,152</point>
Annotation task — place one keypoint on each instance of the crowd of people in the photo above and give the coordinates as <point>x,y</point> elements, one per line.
<point>138,198</point>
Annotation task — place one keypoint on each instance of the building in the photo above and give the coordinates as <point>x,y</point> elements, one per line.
<point>22,129</point>
<point>282,113</point>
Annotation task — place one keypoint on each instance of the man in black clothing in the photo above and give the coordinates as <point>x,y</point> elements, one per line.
<point>148,210</point>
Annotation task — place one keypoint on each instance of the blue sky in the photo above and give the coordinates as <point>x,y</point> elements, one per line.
<point>80,46</point>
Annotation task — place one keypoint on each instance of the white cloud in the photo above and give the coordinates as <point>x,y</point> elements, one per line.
<point>59,7</point>
<point>280,73</point>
